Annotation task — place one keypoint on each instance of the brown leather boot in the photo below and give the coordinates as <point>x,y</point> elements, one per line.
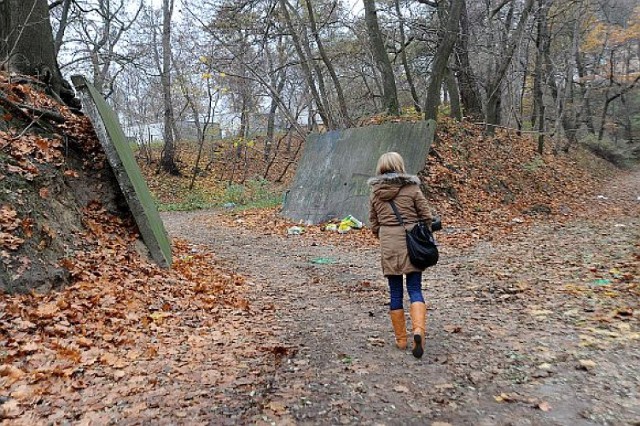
<point>418,311</point>
<point>399,327</point>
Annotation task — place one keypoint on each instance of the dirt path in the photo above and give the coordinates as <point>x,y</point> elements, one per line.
<point>540,328</point>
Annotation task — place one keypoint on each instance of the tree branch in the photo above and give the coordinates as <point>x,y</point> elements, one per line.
<point>499,7</point>
<point>55,4</point>
<point>42,113</point>
<point>432,3</point>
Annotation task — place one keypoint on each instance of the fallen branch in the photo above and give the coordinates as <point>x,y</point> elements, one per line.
<point>42,113</point>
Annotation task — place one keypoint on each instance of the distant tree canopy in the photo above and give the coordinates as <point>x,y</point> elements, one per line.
<point>567,71</point>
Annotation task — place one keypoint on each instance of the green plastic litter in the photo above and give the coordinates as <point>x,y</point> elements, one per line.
<point>323,261</point>
<point>601,282</point>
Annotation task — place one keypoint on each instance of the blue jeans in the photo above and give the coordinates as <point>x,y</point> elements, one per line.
<point>414,288</point>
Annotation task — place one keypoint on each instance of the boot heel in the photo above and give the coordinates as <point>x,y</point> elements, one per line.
<point>417,346</point>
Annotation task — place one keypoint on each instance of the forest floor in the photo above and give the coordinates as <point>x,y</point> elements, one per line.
<point>536,326</point>
<point>533,308</point>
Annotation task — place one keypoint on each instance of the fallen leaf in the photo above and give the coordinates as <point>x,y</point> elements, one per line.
<point>540,312</point>
<point>10,409</point>
<point>374,341</point>
<point>544,406</point>
<point>47,311</point>
<point>7,370</point>
<point>277,407</point>
<point>401,389</point>
<point>30,348</point>
<point>587,364</point>
<point>23,392</point>
<point>504,397</point>
<point>158,316</point>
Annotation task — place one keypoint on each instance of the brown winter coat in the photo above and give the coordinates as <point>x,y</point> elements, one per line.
<point>405,191</point>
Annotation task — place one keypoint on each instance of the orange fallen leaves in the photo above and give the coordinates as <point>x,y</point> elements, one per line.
<point>122,310</point>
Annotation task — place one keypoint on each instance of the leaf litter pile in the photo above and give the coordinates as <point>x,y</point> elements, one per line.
<point>125,338</point>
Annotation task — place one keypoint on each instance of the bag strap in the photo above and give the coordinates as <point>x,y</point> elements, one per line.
<point>395,210</point>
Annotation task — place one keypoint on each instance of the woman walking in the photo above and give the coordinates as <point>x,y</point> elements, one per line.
<point>393,185</point>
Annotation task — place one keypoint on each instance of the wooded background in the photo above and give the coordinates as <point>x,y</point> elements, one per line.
<point>566,70</point>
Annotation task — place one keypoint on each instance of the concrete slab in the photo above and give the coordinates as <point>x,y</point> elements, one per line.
<point>331,179</point>
<point>132,183</point>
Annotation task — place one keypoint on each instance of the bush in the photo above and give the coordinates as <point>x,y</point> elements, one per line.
<point>195,200</point>
<point>235,193</point>
<point>254,193</point>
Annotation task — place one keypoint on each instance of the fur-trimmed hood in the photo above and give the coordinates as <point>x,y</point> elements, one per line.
<point>400,179</point>
<point>387,186</point>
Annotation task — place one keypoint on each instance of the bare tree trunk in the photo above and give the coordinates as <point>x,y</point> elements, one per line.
<point>523,89</point>
<point>319,76</point>
<point>628,124</point>
<point>565,116</point>
<point>27,45</point>
<point>541,46</point>
<point>438,70</point>
<point>200,125</point>
<point>494,106</point>
<point>588,114</point>
<point>494,90</point>
<point>64,20</point>
<point>271,123</point>
<point>467,83</point>
<point>278,78</point>
<point>304,63</point>
<point>389,90</point>
<point>610,99</point>
<point>405,62</point>
<point>167,163</point>
<point>328,63</point>
<point>454,93</point>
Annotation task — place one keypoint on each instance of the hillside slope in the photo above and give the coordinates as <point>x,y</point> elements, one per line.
<point>481,186</point>
<point>54,180</point>
<point>114,314</point>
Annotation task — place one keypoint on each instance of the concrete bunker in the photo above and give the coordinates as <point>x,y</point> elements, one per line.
<point>331,179</point>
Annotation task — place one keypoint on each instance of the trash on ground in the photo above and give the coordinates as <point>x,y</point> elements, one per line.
<point>352,222</point>
<point>601,282</point>
<point>323,261</point>
<point>345,225</point>
<point>295,230</point>
<point>343,228</point>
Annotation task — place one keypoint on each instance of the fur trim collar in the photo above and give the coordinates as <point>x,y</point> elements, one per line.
<point>400,179</point>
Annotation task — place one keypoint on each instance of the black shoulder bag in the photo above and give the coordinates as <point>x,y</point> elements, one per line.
<point>422,248</point>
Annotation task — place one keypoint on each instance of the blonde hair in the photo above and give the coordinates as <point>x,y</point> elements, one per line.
<point>390,162</point>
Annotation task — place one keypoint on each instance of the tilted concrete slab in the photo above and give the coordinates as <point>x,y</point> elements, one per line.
<point>132,183</point>
<point>331,179</point>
